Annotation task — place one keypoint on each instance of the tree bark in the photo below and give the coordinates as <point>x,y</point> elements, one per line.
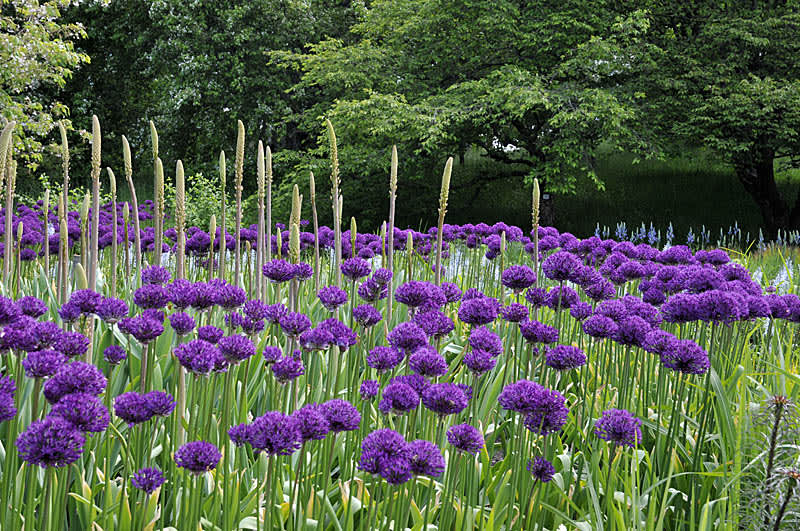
<point>757,174</point>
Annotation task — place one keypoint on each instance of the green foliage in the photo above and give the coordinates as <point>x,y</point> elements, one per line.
<point>38,55</point>
<point>203,199</point>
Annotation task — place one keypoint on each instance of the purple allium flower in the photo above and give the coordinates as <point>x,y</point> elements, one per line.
<point>379,448</point>
<point>479,361</point>
<point>444,399</point>
<point>396,471</point>
<point>600,326</point>
<point>114,354</point>
<point>407,337</point>
<point>426,361</point>
<point>43,363</point>
<point>9,311</point>
<point>230,296</point>
<point>332,297</point>
<point>368,390</point>
<point>536,296</point>
<point>288,368</point>
<point>382,276</point>
<point>681,308</point>
<point>151,296</point>
<point>685,356</point>
<point>84,411</point>
<point>8,409</point>
<point>197,356</point>
<point>541,469</point>
<point>465,438</point>
<point>86,300</point>
<point>274,312</point>
<point>384,358</point>
<point>632,330</point>
<point>518,277</point>
<point>525,396</point>
<point>560,266</point>
<point>580,310</point>
<point>315,339</point>
<point>619,427</point>
<point>31,306</point>
<point>536,332</point>
<point>722,306</point>
<point>210,333</point>
<point>44,334</point>
<point>111,310</point>
<point>426,458</point>
<point>293,324</point>
<point>236,348</point>
<point>182,323</point>
<point>197,457</point>
<point>19,336</point>
<point>434,323</point>
<point>278,270</point>
<point>312,424</point>
<point>256,309</point>
<point>565,357</point>
<point>398,398</point>
<point>159,403</point>
<point>148,479</point>
<point>658,341</point>
<point>204,295</point>
<point>563,295</point>
<point>72,344</point>
<point>478,311</point>
<point>451,292</point>
<point>366,315</point>
<point>341,415</point>
<point>52,442</point>
<point>413,293</point>
<point>7,386</point>
<point>355,268</point>
<point>484,339</point>
<point>75,377</point>
<point>514,312</point>
<point>133,408</point>
<point>69,313</point>
<point>239,434</point>
<point>372,291</point>
<point>303,271</point>
<point>155,275</point>
<point>274,433</point>
<point>343,336</point>
<point>599,290</point>
<point>271,354</point>
<point>181,293</point>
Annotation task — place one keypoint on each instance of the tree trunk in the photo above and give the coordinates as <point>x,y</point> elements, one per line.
<point>757,175</point>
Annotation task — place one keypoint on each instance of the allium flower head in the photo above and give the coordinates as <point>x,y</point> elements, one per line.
<point>43,363</point>
<point>332,297</point>
<point>278,270</point>
<point>565,357</point>
<point>75,377</point>
<point>407,337</point>
<point>434,323</point>
<point>72,344</point>
<point>600,326</point>
<point>685,356</point>
<point>541,469</point>
<point>69,312</point>
<point>293,324</point>
<point>382,276</point>
<point>230,296</point>
<point>182,323</point>
<point>398,398</point>
<point>274,433</point>
<point>427,362</point>
<point>619,427</point>
<point>369,389</point>
<point>580,310</point>
<point>151,296</point>
<point>84,411</point>
<point>31,306</point>
<point>355,268</point>
<point>86,300</point>
<point>256,309</point>
<point>133,408</point>
<point>465,438</point>
<point>211,334</point>
<point>536,332</point>
<point>381,447</point>
<point>426,459</point>
<point>52,442</point>
<point>444,399</point>
<point>315,339</point>
<point>236,348</point>
<point>197,356</point>
<point>204,295</point>
<point>366,315</point>
<point>518,277</point>
<point>384,358</point>
<point>114,354</point>
<point>312,424</point>
<point>197,457</point>
<point>148,479</point>
<point>343,336</point>
<point>372,291</point>
<point>413,293</point>
<point>111,310</point>
<point>560,266</point>
<point>159,403</point>
<point>341,415</point>
<point>484,339</point>
<point>479,311</point>
<point>45,334</point>
<point>155,275</point>
<point>288,368</point>
<point>632,330</point>
<point>514,312</point>
<point>451,292</point>
<point>479,361</point>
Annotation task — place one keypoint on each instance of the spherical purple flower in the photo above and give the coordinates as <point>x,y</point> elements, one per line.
<point>111,310</point>
<point>465,438</point>
<point>619,427</point>
<point>561,297</point>
<point>204,295</point>
<point>416,381</point>
<point>565,357</point>
<point>315,339</point>
<point>407,337</point>
<point>69,312</point>
<point>368,390</point>
<point>451,292</point>
<point>343,336</point>
<point>148,479</point>
<point>271,354</point>
<point>382,276</point>
<point>518,277</point>
<point>398,398</point>
<point>355,268</point>
<point>7,386</point>
<point>479,311</point>
<point>396,471</point>
<point>426,458</point>
<point>384,358</point>
<point>197,457</point>
<point>379,448</point>
<point>332,297</point>
<point>75,377</point>
<point>44,334</point>
<point>722,306</point>
<point>366,315</point>
<point>434,323</point>
<point>72,344</point>
<point>8,409</point>
<point>239,434</point>
<point>230,296</point>
<point>86,300</point>
<point>372,291</point>
<point>341,415</point>
<point>197,356</point>
<point>685,356</point>
<point>536,332</point>
<point>182,323</point>
<point>303,271</point>
<point>43,363</point>
<point>133,408</point>
<point>155,275</point>
<point>681,308</point>
<point>444,399</point>
<point>426,361</point>
<point>560,266</point>
<point>256,309</point>
<point>31,306</point>
<point>52,442</point>
<point>312,424</point>
<point>210,333</point>
<point>288,368</point>
<point>114,354</point>
<point>151,296</point>
<point>9,311</point>
<point>84,411</point>
<point>293,324</point>
<point>580,311</point>
<point>541,469</point>
<point>658,341</point>
<point>484,339</point>
<point>632,330</point>
<point>413,293</point>
<point>236,348</point>
<point>274,312</point>
<point>514,312</point>
<point>479,361</point>
<point>274,433</point>
<point>159,403</point>
<point>278,270</point>
<point>600,326</point>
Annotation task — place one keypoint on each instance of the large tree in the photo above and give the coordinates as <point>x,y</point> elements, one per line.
<point>729,80</point>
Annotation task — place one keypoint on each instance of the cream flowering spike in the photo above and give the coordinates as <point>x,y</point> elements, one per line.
<point>95,222</point>
<point>336,200</point>
<point>64,162</point>
<point>239,177</point>
<point>390,229</point>
<point>443,195</point>
<point>113,185</point>
<point>137,242</point>
<point>535,230</point>
<point>313,190</point>
<point>180,219</point>
<point>223,178</point>
<point>261,181</point>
